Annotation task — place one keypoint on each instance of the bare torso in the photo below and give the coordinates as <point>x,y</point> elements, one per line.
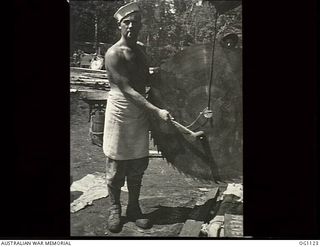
<point>134,61</point>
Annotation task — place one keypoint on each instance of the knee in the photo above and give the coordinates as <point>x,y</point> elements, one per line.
<point>114,179</point>
<point>134,180</point>
<point>115,182</point>
<point>115,174</point>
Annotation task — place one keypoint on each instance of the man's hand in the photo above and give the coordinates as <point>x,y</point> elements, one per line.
<point>164,115</point>
<point>164,123</point>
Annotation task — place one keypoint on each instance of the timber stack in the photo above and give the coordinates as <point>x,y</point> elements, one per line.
<point>92,87</point>
<point>82,79</point>
<point>218,215</point>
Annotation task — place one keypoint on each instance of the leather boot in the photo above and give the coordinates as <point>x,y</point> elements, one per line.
<point>133,211</point>
<point>114,222</point>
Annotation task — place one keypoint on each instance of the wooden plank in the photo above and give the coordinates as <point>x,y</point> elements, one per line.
<point>191,228</point>
<point>81,70</point>
<point>99,71</point>
<point>199,215</point>
<point>88,76</point>
<point>233,226</point>
<point>89,81</point>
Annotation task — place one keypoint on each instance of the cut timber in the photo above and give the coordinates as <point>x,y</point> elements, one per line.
<point>191,228</point>
<point>95,75</point>
<point>199,215</point>
<point>233,225</point>
<point>90,78</point>
<point>81,70</point>
<point>89,82</point>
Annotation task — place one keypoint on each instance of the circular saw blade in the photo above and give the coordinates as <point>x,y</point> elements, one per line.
<point>183,89</point>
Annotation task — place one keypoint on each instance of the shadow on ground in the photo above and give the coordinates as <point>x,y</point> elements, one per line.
<point>168,215</point>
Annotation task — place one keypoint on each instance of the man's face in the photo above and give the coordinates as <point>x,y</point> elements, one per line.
<point>130,26</point>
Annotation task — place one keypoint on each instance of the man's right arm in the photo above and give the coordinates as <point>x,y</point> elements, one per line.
<point>117,67</point>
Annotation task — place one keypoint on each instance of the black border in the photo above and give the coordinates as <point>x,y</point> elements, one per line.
<point>280,168</point>
<point>39,201</point>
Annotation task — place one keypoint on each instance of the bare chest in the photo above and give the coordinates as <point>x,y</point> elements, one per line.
<point>136,62</point>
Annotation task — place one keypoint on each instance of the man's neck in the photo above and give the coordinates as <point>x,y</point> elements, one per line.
<point>129,43</point>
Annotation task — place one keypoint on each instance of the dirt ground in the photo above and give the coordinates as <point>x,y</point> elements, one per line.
<point>167,197</point>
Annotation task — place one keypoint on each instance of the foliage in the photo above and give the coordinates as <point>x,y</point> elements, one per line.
<point>168,25</point>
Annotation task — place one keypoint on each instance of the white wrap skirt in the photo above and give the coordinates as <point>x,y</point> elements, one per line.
<point>126,129</point>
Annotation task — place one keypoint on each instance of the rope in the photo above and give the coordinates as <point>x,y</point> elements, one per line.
<point>194,121</point>
<point>197,118</point>
<point>211,75</point>
<point>212,57</point>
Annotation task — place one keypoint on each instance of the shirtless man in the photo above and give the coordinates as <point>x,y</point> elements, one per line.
<point>126,131</point>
